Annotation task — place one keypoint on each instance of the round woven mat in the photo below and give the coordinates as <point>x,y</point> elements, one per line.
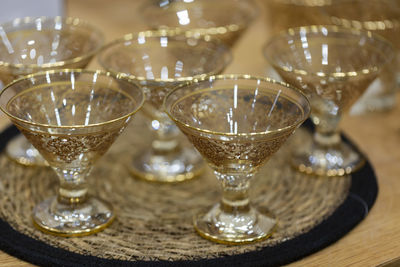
<point>154,221</point>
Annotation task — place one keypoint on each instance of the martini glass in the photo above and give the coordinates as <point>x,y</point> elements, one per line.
<point>236,122</point>
<point>29,45</point>
<point>159,61</point>
<point>71,117</point>
<point>334,66</point>
<point>224,19</point>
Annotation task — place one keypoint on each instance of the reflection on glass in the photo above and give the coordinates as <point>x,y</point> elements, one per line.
<point>159,61</point>
<point>72,117</point>
<point>237,123</point>
<point>334,66</point>
<point>29,45</point>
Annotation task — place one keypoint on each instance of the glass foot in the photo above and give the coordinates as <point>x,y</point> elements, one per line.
<point>329,161</point>
<point>20,150</point>
<point>60,219</point>
<point>240,228</point>
<point>178,166</point>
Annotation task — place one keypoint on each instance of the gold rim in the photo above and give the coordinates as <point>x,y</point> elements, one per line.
<point>236,77</point>
<point>76,233</point>
<point>250,5</point>
<point>120,76</point>
<point>370,23</point>
<point>65,20</point>
<point>164,33</point>
<point>307,3</point>
<point>331,28</point>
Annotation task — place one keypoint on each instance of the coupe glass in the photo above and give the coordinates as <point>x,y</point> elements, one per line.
<point>159,61</point>
<point>71,117</point>
<point>382,17</point>
<point>225,19</point>
<point>236,122</point>
<point>29,45</point>
<point>333,66</point>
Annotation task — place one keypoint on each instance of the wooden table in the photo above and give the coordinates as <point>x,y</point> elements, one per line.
<point>376,240</point>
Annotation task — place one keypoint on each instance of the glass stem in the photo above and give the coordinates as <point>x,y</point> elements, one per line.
<point>73,186</point>
<point>166,136</point>
<point>326,139</point>
<point>235,192</point>
<point>327,131</point>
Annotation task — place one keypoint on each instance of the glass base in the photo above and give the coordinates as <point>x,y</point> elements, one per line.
<point>20,150</point>
<point>234,229</point>
<point>59,219</point>
<point>178,166</point>
<point>327,161</point>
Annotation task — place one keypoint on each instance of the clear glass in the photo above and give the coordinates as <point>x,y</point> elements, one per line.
<point>334,66</point>
<point>225,19</point>
<point>29,45</point>
<point>71,117</point>
<point>159,61</point>
<point>383,18</point>
<point>236,122</point>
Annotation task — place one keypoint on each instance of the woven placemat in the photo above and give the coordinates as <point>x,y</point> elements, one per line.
<point>154,221</point>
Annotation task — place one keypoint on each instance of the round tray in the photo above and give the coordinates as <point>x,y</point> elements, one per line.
<point>154,221</point>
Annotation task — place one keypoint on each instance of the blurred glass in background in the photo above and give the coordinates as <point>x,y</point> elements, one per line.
<point>379,16</point>
<point>224,19</point>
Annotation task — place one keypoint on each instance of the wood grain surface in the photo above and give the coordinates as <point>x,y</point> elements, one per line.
<point>376,240</point>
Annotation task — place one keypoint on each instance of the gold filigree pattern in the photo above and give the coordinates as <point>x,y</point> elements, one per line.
<point>219,152</point>
<point>341,92</point>
<point>68,148</point>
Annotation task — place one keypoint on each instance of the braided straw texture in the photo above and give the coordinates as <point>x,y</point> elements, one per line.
<point>154,221</point>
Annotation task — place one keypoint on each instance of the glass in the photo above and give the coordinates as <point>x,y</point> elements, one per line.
<point>159,61</point>
<point>236,122</point>
<point>383,18</point>
<point>29,45</point>
<point>225,19</point>
<point>71,117</point>
<point>334,66</point>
